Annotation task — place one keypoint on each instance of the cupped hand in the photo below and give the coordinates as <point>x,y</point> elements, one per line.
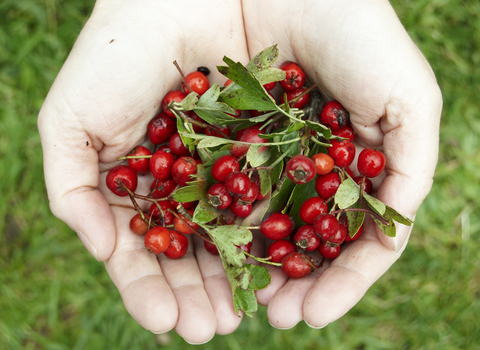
<point>98,109</point>
<point>359,54</point>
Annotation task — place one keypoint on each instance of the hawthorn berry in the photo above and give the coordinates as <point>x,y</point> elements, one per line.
<point>300,169</point>
<point>138,225</point>
<point>280,249</point>
<point>251,195</point>
<point>197,81</point>
<point>346,132</point>
<point>176,145</point>
<point>339,236</point>
<point>156,214</point>
<point>277,226</point>
<point>306,238</point>
<point>182,169</point>
<point>323,163</point>
<point>301,102</point>
<point>161,165</point>
<point>326,226</point>
<point>238,184</point>
<point>211,131</point>
<point>371,162</point>
<point>224,166</point>
<point>161,128</point>
<point>250,136</point>
<point>157,240</point>
<point>186,227</point>
<point>367,184</point>
<point>327,185</point>
<point>342,152</point>
<point>329,250</point>
<point>295,77</point>
<point>120,177</point>
<point>297,265</point>
<point>311,208</point>
<point>355,236</point>
<point>178,245</point>
<point>334,115</point>
<point>240,209</point>
<point>140,165</point>
<point>218,196</point>
<point>163,188</point>
<point>172,96</point>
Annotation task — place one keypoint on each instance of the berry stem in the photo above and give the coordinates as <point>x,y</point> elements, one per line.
<point>186,223</point>
<point>262,260</point>
<point>184,79</point>
<point>134,202</point>
<point>135,157</point>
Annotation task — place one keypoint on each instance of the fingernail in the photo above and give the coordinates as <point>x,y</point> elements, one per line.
<point>192,343</point>
<point>86,242</point>
<point>314,327</point>
<point>282,328</point>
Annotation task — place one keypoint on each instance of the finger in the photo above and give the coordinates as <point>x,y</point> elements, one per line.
<point>139,279</point>
<point>349,276</point>
<point>218,289</point>
<point>196,322</point>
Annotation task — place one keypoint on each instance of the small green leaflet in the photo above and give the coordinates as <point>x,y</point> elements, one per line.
<point>265,181</point>
<point>280,197</point>
<point>299,195</point>
<point>290,149</point>
<point>188,193</point>
<point>389,230</point>
<point>210,110</point>
<point>375,204</point>
<point>264,59</point>
<point>204,212</point>
<point>355,220</point>
<point>207,141</point>
<point>255,158</point>
<point>391,213</point>
<point>188,103</point>
<point>226,238</point>
<point>347,193</point>
<point>185,129</point>
<point>245,300</point>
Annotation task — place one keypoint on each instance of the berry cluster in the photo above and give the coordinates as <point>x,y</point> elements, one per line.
<point>217,152</point>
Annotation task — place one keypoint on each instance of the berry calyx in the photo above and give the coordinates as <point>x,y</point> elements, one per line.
<point>300,169</point>
<point>218,196</point>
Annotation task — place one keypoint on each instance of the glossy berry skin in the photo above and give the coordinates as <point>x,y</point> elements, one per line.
<point>250,136</point>
<point>243,131</point>
<point>197,81</point>
<point>178,245</point>
<point>306,238</point>
<point>300,169</point>
<point>326,226</point>
<point>210,131</point>
<point>323,163</point>
<point>256,179</point>
<point>155,213</point>
<point>218,196</point>
<point>346,132</point>
<point>354,238</point>
<point>141,165</point>
<point>176,145</point>
<point>161,128</point>
<point>182,169</point>
<point>327,185</point>
<point>224,166</point>
<point>163,188</point>
<point>175,96</point>
<point>277,226</point>
<point>297,265</point>
<point>371,162</point>
<point>301,102</point>
<point>334,115</point>
<point>338,237</point>
<point>329,250</point>
<point>240,209</point>
<point>138,225</point>
<point>342,152</point>
<point>312,208</point>
<point>367,184</point>
<point>252,194</point>
<point>295,76</point>
<point>280,249</point>
<point>161,165</point>
<point>269,86</point>
<point>211,248</point>
<point>185,228</point>
<point>119,176</point>
<point>238,184</point>
<point>157,240</point>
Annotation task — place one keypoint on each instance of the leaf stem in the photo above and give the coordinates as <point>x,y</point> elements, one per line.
<point>262,260</point>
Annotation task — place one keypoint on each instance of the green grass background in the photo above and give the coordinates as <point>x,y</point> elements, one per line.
<point>54,295</point>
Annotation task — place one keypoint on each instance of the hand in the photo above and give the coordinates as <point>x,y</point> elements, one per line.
<point>98,109</point>
<point>359,54</point>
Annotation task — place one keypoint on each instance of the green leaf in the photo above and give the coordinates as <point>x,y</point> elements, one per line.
<point>375,203</point>
<point>347,193</point>
<point>264,59</point>
<point>249,94</point>
<point>188,103</point>
<point>212,111</point>
<point>355,220</point>
<point>265,181</point>
<point>280,196</point>
<point>188,193</point>
<point>391,213</point>
<point>211,141</point>
<point>246,301</point>
<point>185,129</point>
<point>226,238</point>
<point>299,195</point>
<point>255,158</point>
<point>261,277</point>
<point>293,149</point>
<point>389,230</point>
<point>204,212</point>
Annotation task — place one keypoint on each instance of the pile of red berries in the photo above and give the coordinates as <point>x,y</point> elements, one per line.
<point>269,154</point>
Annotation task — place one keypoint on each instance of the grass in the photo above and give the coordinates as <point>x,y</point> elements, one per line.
<point>53,295</point>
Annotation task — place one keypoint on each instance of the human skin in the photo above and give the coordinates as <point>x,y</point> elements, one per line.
<point>112,85</point>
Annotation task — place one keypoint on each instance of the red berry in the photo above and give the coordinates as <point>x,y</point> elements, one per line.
<point>243,131</point>
<point>245,247</point>
<point>161,165</point>
<point>176,145</point>
<point>211,248</point>
<point>155,212</point>
<point>197,81</point>
<point>178,245</point>
<point>306,238</point>
<point>280,249</point>
<point>161,128</point>
<point>224,166</point>
<point>120,176</point>
<point>277,226</point>
<point>218,196</point>
<point>327,185</point>
<point>339,237</point>
<point>323,163</point>
<point>297,265</point>
<point>300,169</point>
<point>185,205</point>
<point>238,184</point>
<point>269,86</point>
<point>240,209</point>
<point>141,165</point>
<point>186,227</point>
<point>355,237</point>
<point>342,152</point>
<point>329,250</point>
<point>346,132</point>
<point>157,240</point>
<point>367,183</point>
<point>326,226</point>
<point>301,102</point>
<point>250,136</point>
<point>210,131</point>
<point>182,169</point>
<point>252,194</point>
<point>163,188</point>
<point>334,115</point>
<point>312,208</point>
<point>138,225</point>
<point>256,179</point>
<point>295,76</point>
<point>172,96</point>
<point>371,162</point>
